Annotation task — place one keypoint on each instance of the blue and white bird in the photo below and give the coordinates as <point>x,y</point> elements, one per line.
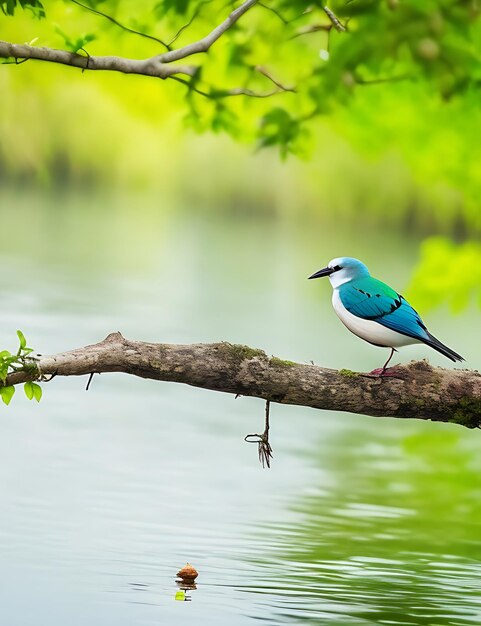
<point>374,311</point>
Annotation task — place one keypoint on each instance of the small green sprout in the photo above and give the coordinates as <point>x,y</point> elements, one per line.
<point>19,361</point>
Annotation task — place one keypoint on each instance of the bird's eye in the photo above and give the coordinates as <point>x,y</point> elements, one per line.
<point>336,268</point>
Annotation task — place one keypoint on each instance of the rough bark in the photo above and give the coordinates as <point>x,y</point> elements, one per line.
<point>417,390</point>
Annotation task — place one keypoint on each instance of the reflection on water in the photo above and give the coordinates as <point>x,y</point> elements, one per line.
<point>105,494</point>
<point>394,540</point>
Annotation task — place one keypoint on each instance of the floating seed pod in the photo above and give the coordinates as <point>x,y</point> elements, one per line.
<point>188,573</point>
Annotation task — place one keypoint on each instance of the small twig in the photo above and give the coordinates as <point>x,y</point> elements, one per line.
<point>313,28</point>
<point>88,60</point>
<point>244,91</point>
<point>262,70</point>
<point>189,23</point>
<point>44,379</point>
<point>276,13</point>
<point>189,85</point>
<point>117,23</point>
<point>218,94</point>
<point>378,81</point>
<point>334,19</point>
<point>264,447</point>
<point>89,381</point>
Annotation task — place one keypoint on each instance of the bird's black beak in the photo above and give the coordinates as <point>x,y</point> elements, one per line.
<point>326,271</point>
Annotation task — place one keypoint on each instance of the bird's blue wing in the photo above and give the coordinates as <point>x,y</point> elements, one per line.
<point>372,299</point>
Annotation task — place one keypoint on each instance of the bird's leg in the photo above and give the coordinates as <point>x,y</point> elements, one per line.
<point>381,370</point>
<point>384,367</point>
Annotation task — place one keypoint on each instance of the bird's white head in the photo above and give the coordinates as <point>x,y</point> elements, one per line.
<point>342,270</point>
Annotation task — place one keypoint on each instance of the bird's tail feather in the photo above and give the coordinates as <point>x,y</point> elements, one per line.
<point>440,347</point>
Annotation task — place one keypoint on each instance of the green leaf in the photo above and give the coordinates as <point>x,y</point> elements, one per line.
<point>7,393</point>
<point>81,42</point>
<point>21,337</point>
<point>5,353</point>
<point>28,388</point>
<point>239,53</point>
<point>278,127</point>
<point>177,6</point>
<point>459,281</point>
<point>224,120</point>
<point>32,390</point>
<point>35,6</point>
<point>66,39</point>
<point>37,392</point>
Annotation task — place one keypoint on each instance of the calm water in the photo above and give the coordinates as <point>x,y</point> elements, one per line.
<point>106,494</point>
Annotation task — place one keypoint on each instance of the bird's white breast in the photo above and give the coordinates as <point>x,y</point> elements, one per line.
<point>369,330</point>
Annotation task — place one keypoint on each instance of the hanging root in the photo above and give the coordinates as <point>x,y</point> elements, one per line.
<point>264,447</point>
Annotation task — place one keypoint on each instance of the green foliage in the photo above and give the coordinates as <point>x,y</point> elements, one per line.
<point>74,45</point>
<point>438,43</point>
<point>23,341</point>
<point>399,87</point>
<point>279,128</point>
<point>35,6</point>
<point>32,390</point>
<point>224,120</point>
<point>447,273</point>
<point>7,393</point>
<point>179,7</point>
<point>18,362</point>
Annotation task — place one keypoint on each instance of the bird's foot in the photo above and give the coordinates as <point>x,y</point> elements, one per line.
<point>384,372</point>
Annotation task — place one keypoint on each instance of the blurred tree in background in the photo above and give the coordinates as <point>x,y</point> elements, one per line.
<point>381,98</point>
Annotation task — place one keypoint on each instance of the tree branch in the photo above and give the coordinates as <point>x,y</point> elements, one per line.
<point>334,19</point>
<point>156,66</point>
<point>417,390</point>
<point>202,45</point>
<point>146,67</point>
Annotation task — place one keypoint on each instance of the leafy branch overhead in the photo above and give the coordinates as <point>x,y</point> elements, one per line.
<point>309,56</point>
